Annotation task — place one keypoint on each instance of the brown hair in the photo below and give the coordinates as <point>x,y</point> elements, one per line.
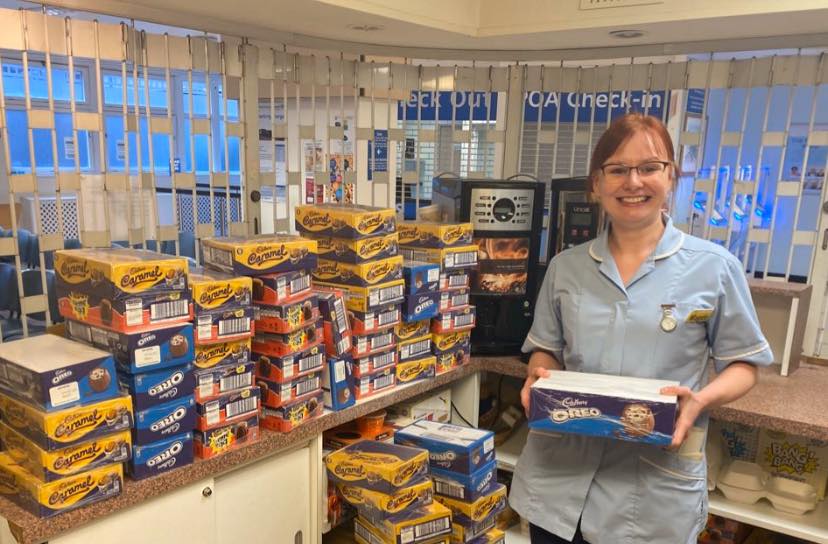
<point>620,130</point>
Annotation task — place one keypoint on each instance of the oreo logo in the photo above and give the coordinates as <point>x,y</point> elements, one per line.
<point>61,375</point>
<point>483,484</point>
<point>424,306</point>
<point>167,454</point>
<point>169,420</point>
<point>146,340</point>
<point>167,384</point>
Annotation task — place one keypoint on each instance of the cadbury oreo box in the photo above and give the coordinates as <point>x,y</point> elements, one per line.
<point>421,306</point>
<point>450,447</point>
<point>607,406</point>
<point>51,373</point>
<point>256,255</point>
<point>466,487</point>
<point>338,383</point>
<point>420,277</point>
<point>163,421</point>
<point>159,457</point>
<point>150,389</point>
<point>143,351</point>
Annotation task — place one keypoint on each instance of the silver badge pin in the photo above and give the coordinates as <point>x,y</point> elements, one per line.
<point>668,320</point>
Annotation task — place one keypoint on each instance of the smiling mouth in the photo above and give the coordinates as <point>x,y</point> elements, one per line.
<point>633,199</point>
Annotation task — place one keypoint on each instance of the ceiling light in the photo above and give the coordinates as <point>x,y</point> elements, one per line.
<point>626,34</point>
<point>365,28</point>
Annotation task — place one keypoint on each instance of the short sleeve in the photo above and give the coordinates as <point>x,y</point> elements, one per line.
<point>546,332</point>
<point>734,331</point>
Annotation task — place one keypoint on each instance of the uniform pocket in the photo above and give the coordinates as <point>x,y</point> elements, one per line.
<point>687,342</point>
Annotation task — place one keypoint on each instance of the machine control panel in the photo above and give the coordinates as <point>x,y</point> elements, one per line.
<point>501,209</point>
<point>580,223</point>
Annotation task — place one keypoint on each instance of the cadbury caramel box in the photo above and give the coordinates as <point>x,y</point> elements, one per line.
<point>375,465</point>
<point>374,320</point>
<point>280,345</point>
<point>467,531</point>
<point>449,258</point>
<point>224,326</point>
<point>370,501</point>
<point>289,367</point>
<point>415,348</point>
<point>49,466</point>
<point>456,320</point>
<point>46,499</point>
<point>226,438</point>
<point>359,275</point>
<point>492,536</point>
<point>344,220</point>
<point>288,315</point>
<point>412,329</point>
<point>214,291</point>
<point>56,430</point>
<point>286,418</point>
<point>276,288</point>
<point>454,298</point>
<point>227,408</point>
<point>448,360</point>
<point>454,280</point>
<point>358,251</point>
<point>416,369</point>
<point>276,395</point>
<point>492,502</point>
<point>366,344</point>
<point>121,289</point>
<point>256,255</point>
<point>235,352</point>
<point>364,299</point>
<point>421,524</point>
<point>364,535</point>
<point>337,328</point>
<point>217,380</point>
<point>444,342</point>
<point>375,382</point>
<point>364,366</point>
<point>51,372</point>
<point>434,235</point>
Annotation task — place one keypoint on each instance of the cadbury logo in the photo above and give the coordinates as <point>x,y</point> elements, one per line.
<point>315,219</point>
<point>77,488</point>
<point>61,375</point>
<point>169,420</point>
<point>74,269</point>
<point>89,452</point>
<point>141,276</point>
<point>167,454</point>
<point>265,254</point>
<point>167,384</point>
<point>214,293</point>
<point>569,402</point>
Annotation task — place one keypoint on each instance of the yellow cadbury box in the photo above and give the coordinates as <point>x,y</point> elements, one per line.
<point>434,235</point>
<point>358,251</point>
<point>233,352</point>
<point>216,291</point>
<point>491,503</point>
<point>420,492</point>
<point>120,272</point>
<point>47,499</point>
<point>417,369</point>
<point>425,524</point>
<point>49,466</point>
<point>359,275</point>
<point>256,255</point>
<point>377,465</point>
<point>448,341</point>
<point>449,258</point>
<point>57,430</point>
<point>345,220</point>
<point>412,329</point>
<point>365,299</point>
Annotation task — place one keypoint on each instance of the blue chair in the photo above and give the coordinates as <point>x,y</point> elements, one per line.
<point>187,244</point>
<point>32,286</point>
<point>9,302</point>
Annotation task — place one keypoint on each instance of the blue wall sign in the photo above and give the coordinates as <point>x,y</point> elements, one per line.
<point>614,104</point>
<point>465,106</point>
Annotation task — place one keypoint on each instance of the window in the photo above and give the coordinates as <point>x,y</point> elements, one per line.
<point>14,85</point>
<point>113,90</point>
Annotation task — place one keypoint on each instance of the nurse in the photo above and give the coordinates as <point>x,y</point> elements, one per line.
<point>644,300</point>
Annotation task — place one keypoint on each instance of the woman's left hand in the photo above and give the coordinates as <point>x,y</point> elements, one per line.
<point>690,407</point>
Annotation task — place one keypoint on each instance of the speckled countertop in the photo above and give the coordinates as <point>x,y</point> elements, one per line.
<point>781,288</point>
<point>796,404</point>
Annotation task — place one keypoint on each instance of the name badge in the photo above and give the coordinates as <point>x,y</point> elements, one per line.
<point>699,316</point>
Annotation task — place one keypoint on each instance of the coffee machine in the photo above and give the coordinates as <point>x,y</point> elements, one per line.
<point>573,219</point>
<point>507,219</point>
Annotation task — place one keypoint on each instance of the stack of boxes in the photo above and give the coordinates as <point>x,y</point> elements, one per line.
<point>227,402</point>
<point>287,346</point>
<point>450,247</point>
<point>388,484</point>
<point>464,473</point>
<point>136,305</point>
<point>65,426</point>
<point>421,304</point>
<point>358,255</point>
<point>338,376</point>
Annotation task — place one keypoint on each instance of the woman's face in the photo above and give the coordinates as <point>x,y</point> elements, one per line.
<point>635,201</point>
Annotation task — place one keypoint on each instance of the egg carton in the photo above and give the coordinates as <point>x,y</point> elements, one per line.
<point>745,482</point>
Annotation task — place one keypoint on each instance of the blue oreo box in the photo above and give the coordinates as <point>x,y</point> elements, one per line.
<point>338,383</point>
<point>164,421</point>
<point>450,447</point>
<point>420,277</point>
<point>159,457</point>
<point>150,389</point>
<point>140,351</point>
<point>421,306</point>
<point>466,487</point>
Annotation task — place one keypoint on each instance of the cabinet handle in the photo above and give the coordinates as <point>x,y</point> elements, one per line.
<point>207,491</point>
<point>297,538</point>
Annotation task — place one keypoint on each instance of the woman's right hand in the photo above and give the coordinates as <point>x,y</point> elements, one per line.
<point>535,373</point>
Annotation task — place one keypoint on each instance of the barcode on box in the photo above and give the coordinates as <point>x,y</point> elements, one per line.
<point>457,280</point>
<point>389,316</point>
<point>169,310</point>
<point>460,299</point>
<point>339,315</point>
<point>281,287</point>
<point>450,490</point>
<point>381,341</point>
<point>383,381</point>
<point>429,528</point>
<point>236,382</point>
<point>366,535</point>
<point>470,257</point>
<point>463,320</point>
<point>299,284</point>
<point>445,322</point>
<point>343,345</point>
<point>239,325</point>
<point>311,361</point>
<point>306,386</point>
<point>417,348</point>
<point>390,293</point>
<point>365,386</point>
<point>242,406</point>
<point>384,360</point>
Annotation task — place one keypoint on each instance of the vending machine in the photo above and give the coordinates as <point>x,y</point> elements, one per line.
<point>507,219</point>
<point>573,217</point>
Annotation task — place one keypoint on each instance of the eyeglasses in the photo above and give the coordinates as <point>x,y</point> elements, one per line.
<point>645,170</point>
